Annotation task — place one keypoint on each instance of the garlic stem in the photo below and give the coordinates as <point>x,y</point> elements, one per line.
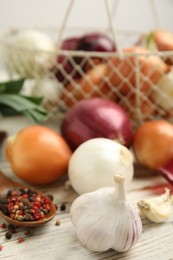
<point>121,193</point>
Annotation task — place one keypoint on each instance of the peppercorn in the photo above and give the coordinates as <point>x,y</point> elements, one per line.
<point>25,205</point>
<point>3,225</point>
<point>21,239</point>
<point>1,248</point>
<point>8,235</point>
<point>57,223</point>
<point>4,209</point>
<point>3,201</point>
<point>11,226</point>
<point>27,232</point>
<point>63,207</point>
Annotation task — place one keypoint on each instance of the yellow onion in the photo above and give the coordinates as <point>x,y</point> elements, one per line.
<point>122,71</point>
<point>153,146</point>
<point>38,155</point>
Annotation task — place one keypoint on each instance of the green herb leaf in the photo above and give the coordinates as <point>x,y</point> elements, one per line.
<point>23,105</point>
<point>35,100</point>
<point>8,111</point>
<point>2,88</point>
<point>150,41</point>
<point>11,87</point>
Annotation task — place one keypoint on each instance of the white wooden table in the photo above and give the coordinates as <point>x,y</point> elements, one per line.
<point>59,242</point>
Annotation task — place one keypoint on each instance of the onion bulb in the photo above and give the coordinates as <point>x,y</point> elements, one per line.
<point>38,155</point>
<point>50,90</point>
<point>96,117</point>
<point>94,164</point>
<point>123,71</point>
<point>92,84</point>
<point>30,53</point>
<point>163,40</point>
<point>153,145</point>
<point>163,93</point>
<point>139,108</point>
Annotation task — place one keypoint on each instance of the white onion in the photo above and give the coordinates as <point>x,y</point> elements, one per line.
<point>163,94</point>
<point>47,88</point>
<point>30,52</point>
<point>50,89</point>
<point>94,164</point>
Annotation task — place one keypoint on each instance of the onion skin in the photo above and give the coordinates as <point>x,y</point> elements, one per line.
<point>153,144</point>
<point>38,155</point>
<point>167,171</point>
<point>96,42</point>
<point>150,67</point>
<point>94,164</point>
<point>68,44</point>
<point>163,94</point>
<point>30,53</point>
<point>93,118</point>
<point>143,109</point>
<point>92,84</point>
<point>163,40</point>
<point>89,42</point>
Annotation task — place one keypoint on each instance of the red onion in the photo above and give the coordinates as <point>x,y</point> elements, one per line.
<point>94,41</point>
<point>96,117</point>
<point>68,44</point>
<point>167,171</point>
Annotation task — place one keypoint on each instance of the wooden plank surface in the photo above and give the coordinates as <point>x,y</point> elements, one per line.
<point>60,243</point>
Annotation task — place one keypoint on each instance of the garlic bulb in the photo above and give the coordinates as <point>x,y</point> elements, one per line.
<point>104,219</point>
<point>95,162</point>
<point>157,209</point>
<point>30,53</point>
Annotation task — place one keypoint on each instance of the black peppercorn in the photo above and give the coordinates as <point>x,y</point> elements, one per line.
<point>25,205</point>
<point>4,209</point>
<point>63,207</point>
<point>8,235</point>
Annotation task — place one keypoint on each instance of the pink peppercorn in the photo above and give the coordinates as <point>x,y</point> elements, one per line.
<point>25,205</point>
<point>0,247</point>
<point>3,225</point>
<point>21,239</point>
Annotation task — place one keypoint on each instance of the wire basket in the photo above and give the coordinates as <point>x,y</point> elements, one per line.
<point>136,80</point>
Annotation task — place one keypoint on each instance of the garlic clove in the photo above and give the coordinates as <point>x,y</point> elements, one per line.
<point>157,209</point>
<point>104,219</point>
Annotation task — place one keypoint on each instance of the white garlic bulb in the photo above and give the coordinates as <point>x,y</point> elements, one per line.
<point>104,219</point>
<point>157,209</point>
